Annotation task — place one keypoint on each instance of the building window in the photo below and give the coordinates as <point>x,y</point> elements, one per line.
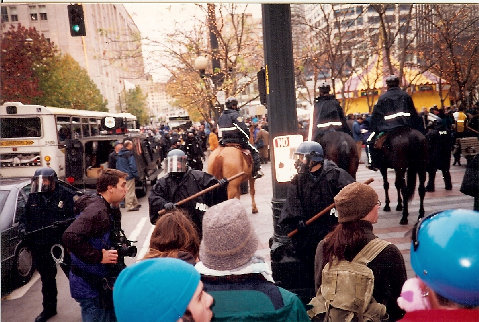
<point>4,14</point>
<point>43,12</point>
<point>13,14</point>
<point>33,16</point>
<point>33,13</point>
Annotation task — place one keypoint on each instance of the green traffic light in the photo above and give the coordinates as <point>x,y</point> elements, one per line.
<point>76,28</point>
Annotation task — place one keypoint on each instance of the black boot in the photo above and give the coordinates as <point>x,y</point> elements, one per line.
<point>370,156</point>
<point>256,165</point>
<point>46,314</point>
<point>447,180</point>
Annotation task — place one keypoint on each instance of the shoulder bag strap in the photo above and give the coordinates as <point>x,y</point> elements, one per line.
<point>370,251</point>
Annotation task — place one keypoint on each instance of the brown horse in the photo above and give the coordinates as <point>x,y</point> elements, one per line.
<point>225,162</point>
<point>341,149</point>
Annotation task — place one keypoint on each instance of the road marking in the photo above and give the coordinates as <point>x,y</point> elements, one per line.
<point>146,245</point>
<point>19,292</point>
<point>139,227</point>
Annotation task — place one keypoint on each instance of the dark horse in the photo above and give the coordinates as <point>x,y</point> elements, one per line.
<point>341,148</point>
<point>404,150</point>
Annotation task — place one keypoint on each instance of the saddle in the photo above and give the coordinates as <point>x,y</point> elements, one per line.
<point>378,144</point>
<point>246,152</point>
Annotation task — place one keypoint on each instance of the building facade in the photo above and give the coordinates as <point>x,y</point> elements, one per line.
<point>110,52</point>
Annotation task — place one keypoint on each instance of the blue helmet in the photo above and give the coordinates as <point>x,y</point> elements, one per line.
<point>445,254</point>
<point>43,180</point>
<point>311,150</point>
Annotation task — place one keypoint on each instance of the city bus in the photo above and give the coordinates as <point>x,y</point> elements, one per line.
<point>75,143</point>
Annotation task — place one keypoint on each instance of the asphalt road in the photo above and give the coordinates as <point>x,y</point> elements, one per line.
<point>24,304</point>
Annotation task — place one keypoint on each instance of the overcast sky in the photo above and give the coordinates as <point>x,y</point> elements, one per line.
<point>156,20</point>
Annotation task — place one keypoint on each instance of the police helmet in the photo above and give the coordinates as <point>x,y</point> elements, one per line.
<point>312,150</point>
<point>231,103</point>
<point>176,161</point>
<point>392,81</point>
<point>44,180</point>
<point>324,88</point>
<point>445,254</point>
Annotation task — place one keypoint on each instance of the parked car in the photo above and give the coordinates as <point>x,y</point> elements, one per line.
<point>17,263</point>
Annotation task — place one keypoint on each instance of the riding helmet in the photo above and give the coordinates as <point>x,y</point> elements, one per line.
<point>231,103</point>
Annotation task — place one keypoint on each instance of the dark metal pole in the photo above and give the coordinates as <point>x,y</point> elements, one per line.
<point>281,103</point>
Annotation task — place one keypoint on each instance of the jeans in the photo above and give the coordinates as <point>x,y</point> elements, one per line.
<point>91,311</point>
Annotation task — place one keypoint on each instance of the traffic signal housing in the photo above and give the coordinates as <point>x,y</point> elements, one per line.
<point>77,21</point>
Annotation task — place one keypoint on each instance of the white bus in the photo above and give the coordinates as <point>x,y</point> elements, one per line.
<point>35,136</point>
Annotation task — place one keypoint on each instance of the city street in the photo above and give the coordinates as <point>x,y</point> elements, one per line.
<point>24,304</point>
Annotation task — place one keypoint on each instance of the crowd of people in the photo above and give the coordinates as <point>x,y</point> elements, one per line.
<point>202,262</point>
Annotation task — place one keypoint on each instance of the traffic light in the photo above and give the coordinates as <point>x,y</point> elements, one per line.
<point>77,22</point>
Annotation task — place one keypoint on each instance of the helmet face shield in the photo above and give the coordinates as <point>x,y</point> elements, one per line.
<point>42,183</point>
<point>176,163</point>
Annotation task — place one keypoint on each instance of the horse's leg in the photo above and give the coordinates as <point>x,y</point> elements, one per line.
<point>402,190</point>
<point>422,192</point>
<point>384,173</point>
<point>234,189</point>
<point>251,192</point>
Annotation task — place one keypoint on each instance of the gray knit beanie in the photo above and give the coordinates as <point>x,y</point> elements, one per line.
<point>355,201</point>
<point>229,240</point>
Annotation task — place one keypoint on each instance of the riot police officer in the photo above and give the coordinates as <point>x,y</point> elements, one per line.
<point>47,214</point>
<point>193,150</point>
<point>232,129</point>
<point>180,183</point>
<point>394,109</point>
<point>311,190</point>
<point>328,114</point>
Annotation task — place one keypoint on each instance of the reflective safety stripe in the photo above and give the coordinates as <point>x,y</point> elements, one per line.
<point>460,121</point>
<point>392,116</point>
<point>328,124</point>
<point>370,137</point>
<point>228,128</point>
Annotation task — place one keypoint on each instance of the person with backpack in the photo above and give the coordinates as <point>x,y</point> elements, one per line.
<point>357,275</point>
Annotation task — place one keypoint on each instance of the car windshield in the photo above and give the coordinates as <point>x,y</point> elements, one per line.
<point>3,199</point>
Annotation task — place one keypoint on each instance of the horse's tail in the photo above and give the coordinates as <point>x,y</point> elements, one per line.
<point>411,182</point>
<point>217,169</point>
<point>348,158</point>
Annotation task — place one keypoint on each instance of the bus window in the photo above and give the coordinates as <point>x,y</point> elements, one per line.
<point>64,128</point>
<point>95,126</point>
<point>76,127</point>
<point>20,127</point>
<point>85,127</point>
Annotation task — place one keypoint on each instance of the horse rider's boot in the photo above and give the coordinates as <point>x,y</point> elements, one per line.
<point>430,184</point>
<point>447,180</point>
<point>369,156</point>
<point>257,173</point>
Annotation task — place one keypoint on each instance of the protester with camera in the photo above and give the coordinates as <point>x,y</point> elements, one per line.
<point>94,240</point>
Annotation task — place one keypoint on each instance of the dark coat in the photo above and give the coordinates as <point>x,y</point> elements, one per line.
<point>112,157</point>
<point>327,116</point>
<point>194,152</point>
<point>388,268</point>
<point>307,195</point>
<point>43,210</point>
<point>169,189</point>
<point>439,142</point>
<point>227,130</point>
<point>394,109</point>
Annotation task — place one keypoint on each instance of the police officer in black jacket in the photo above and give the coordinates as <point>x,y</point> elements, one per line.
<point>193,150</point>
<point>232,129</point>
<point>328,114</point>
<point>180,183</point>
<point>48,212</point>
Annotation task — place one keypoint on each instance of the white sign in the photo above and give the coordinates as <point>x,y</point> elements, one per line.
<point>284,148</point>
<point>110,122</point>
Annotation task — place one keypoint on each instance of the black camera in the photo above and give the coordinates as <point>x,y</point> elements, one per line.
<point>124,248</point>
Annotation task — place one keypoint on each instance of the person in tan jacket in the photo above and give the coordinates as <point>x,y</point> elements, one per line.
<point>263,148</point>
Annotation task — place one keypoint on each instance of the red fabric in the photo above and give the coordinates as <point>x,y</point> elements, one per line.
<point>461,315</point>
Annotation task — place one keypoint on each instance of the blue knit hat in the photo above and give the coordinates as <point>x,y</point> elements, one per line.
<point>157,289</point>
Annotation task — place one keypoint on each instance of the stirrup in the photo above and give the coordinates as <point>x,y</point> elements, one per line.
<point>258,174</point>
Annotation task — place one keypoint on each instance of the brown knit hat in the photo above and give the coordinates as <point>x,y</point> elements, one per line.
<point>229,240</point>
<point>355,201</point>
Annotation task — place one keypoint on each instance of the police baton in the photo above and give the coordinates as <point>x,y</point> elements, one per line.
<point>202,192</point>
<point>322,212</point>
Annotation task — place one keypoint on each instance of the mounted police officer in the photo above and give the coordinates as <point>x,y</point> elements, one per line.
<point>47,213</point>
<point>328,114</point>
<point>393,109</point>
<point>180,183</point>
<point>311,190</point>
<point>193,150</point>
<point>232,129</point>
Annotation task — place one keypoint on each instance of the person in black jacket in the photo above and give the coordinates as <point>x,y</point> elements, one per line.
<point>193,150</point>
<point>393,109</point>
<point>328,114</point>
<point>113,156</point>
<point>48,210</point>
<point>232,129</point>
<point>310,191</point>
<point>180,183</point>
<point>90,239</point>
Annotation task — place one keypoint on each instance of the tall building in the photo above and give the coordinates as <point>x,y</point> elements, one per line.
<point>110,51</point>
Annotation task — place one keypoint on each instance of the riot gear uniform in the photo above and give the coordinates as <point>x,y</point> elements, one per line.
<point>232,129</point>
<point>193,150</point>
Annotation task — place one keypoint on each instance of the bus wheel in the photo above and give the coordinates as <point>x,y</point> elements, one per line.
<point>141,189</point>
